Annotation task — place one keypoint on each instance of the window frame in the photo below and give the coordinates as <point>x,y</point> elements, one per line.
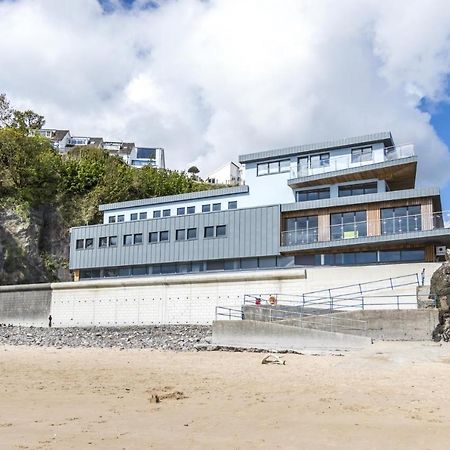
<point>188,230</point>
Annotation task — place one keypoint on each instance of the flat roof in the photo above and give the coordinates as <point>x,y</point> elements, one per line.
<point>384,137</point>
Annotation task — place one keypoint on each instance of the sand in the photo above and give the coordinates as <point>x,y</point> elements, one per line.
<point>391,395</point>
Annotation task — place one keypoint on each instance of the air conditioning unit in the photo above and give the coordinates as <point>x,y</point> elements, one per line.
<point>440,250</point>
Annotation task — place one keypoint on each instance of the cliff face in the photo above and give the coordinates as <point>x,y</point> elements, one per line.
<point>34,246</point>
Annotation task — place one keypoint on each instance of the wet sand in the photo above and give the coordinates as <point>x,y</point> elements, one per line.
<point>390,396</point>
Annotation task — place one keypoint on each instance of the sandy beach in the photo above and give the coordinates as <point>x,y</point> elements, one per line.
<point>391,395</point>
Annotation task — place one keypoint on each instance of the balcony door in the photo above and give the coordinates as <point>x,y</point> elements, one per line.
<point>348,225</point>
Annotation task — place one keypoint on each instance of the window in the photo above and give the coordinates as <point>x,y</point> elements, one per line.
<point>156,214</point>
<point>216,207</point>
<point>232,205</point>
<point>315,194</point>
<point>322,160</point>
<point>142,216</point>
<point>166,212</point>
<point>249,263</point>
<point>112,219</point>
<point>133,216</point>
<point>300,230</point>
<point>181,211</point>
<point>206,208</point>
<point>153,236</point>
<point>89,243</point>
<point>357,189</point>
<point>137,238</point>
<point>103,242</point>
<point>79,244</point>
<point>180,235</point>
<point>192,233</point>
<point>110,272</point>
<point>361,154</point>
<point>401,220</point>
<point>267,261</point>
<point>112,241</point>
<point>348,225</point>
<point>127,239</point>
<point>124,271</point>
<point>215,265</point>
<point>221,230</point>
<point>163,236</point>
<point>139,270</point>
<point>191,209</point>
<point>273,167</point>
<point>209,232</point>
<point>121,218</point>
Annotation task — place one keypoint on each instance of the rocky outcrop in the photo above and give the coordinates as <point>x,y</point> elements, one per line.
<point>440,291</point>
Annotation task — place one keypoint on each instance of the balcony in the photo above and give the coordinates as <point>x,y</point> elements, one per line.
<point>415,227</point>
<point>397,165</point>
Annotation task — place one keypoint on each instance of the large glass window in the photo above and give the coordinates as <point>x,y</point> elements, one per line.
<point>273,167</point>
<point>401,220</point>
<point>322,160</point>
<point>357,189</point>
<point>348,225</point>
<point>300,230</point>
<point>363,154</point>
<point>315,194</point>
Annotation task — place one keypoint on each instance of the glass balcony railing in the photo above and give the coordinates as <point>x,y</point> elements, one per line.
<point>353,230</point>
<point>350,161</point>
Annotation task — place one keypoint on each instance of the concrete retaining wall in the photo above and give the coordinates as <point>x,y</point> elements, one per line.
<point>27,305</point>
<point>271,336</point>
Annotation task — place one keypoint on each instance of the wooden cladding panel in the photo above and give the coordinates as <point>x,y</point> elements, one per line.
<point>324,226</point>
<point>373,220</point>
<point>426,211</point>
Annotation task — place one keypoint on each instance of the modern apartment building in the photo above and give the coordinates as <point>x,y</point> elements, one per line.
<point>345,202</point>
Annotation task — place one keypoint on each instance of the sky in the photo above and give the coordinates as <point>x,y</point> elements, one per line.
<point>209,80</point>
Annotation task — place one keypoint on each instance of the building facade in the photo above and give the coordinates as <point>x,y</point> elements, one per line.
<point>345,202</point>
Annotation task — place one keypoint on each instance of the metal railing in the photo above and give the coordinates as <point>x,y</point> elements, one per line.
<point>381,227</point>
<point>349,161</point>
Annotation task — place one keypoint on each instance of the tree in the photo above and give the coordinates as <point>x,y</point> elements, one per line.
<point>5,111</point>
<point>193,170</point>
<point>25,121</point>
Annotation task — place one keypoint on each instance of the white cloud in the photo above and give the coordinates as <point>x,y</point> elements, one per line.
<point>210,80</point>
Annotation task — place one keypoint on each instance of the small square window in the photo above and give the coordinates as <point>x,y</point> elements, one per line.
<point>142,216</point>
<point>112,219</point>
<point>166,213</point>
<point>181,211</point>
<point>137,238</point>
<point>216,207</point>
<point>103,242</point>
<point>89,243</point>
<point>164,236</point>
<point>209,232</point>
<point>156,214</point>
<point>79,244</point>
<point>180,235</point>
<point>133,216</point>
<point>121,218</point>
<point>127,239</point>
<point>206,208</point>
<point>232,205</point>
<point>192,233</point>
<point>153,236</point>
<point>191,209</point>
<point>113,241</point>
<point>221,230</point>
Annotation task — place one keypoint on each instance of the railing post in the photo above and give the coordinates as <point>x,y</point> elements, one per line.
<point>398,302</point>
<point>362,303</point>
<point>392,286</point>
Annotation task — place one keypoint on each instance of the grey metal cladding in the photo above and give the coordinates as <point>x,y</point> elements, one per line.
<point>385,137</point>
<point>362,199</point>
<point>250,232</point>
<point>175,198</point>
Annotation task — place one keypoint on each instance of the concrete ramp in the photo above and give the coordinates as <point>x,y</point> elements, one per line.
<point>272,336</point>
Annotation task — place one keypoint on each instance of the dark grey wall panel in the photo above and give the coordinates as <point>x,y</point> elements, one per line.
<point>250,232</point>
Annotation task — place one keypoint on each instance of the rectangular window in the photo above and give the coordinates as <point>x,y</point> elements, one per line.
<point>209,232</point>
<point>206,208</point>
<point>315,194</point>
<point>137,238</point>
<point>180,235</point>
<point>142,216</point>
<point>153,236</point>
<point>112,241</point>
<point>133,216</point>
<point>89,243</point>
<point>300,230</point>
<point>192,233</point>
<point>124,271</point>
<point>79,244</point>
<point>285,165</point>
<point>127,239</point>
<point>103,242</point>
<point>121,218</point>
<point>322,160</point>
<point>357,189</point>
<point>215,265</point>
<point>262,169</point>
<point>166,212</point>
<point>109,273</point>
<point>163,236</point>
<point>181,211</point>
<point>348,225</point>
<point>267,261</point>
<point>216,207</point>
<point>139,270</point>
<point>249,263</point>
<point>361,154</point>
<point>232,205</point>
<point>112,219</point>
<point>221,230</point>
<point>156,214</point>
<point>401,220</point>
<point>273,167</point>
<point>191,209</point>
